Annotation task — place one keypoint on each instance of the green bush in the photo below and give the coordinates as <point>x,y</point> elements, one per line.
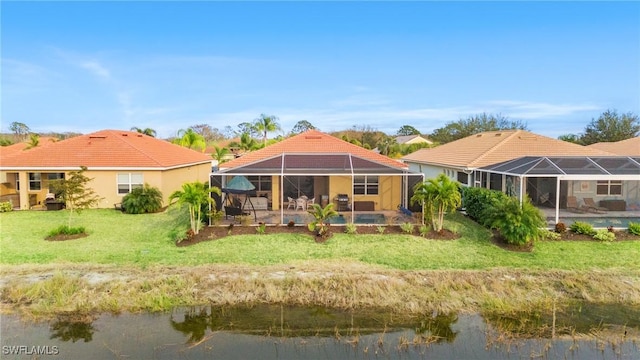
<point>66,230</point>
<point>478,201</point>
<point>350,228</point>
<point>604,235</point>
<point>407,227</point>
<point>261,229</point>
<point>550,235</point>
<point>424,230</point>
<point>580,227</point>
<point>381,229</point>
<point>634,228</point>
<point>518,223</point>
<point>6,206</point>
<point>146,199</point>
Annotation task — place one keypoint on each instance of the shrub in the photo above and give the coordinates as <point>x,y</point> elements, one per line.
<point>262,228</point>
<point>634,228</point>
<point>518,223</point>
<point>66,230</point>
<point>478,203</point>
<point>381,229</point>
<point>424,230</point>
<point>351,228</point>
<point>580,227</point>
<point>561,228</point>
<point>291,223</point>
<point>407,227</point>
<point>604,235</point>
<point>550,235</point>
<point>245,220</point>
<point>146,199</point>
<point>216,216</point>
<point>6,206</point>
<point>321,216</point>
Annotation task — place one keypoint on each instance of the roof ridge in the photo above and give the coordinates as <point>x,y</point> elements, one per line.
<point>495,147</point>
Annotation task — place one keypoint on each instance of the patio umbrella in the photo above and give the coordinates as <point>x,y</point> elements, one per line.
<point>241,185</point>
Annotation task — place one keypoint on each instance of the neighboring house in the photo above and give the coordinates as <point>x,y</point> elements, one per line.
<point>326,169</point>
<point>118,161</point>
<point>629,147</point>
<point>548,170</point>
<point>412,139</point>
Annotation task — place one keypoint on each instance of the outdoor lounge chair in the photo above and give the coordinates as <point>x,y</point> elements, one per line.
<point>572,205</point>
<point>590,205</point>
<point>234,211</point>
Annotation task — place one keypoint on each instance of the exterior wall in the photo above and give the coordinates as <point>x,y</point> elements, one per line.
<point>389,191</point>
<point>587,189</point>
<point>432,171</point>
<point>275,192</point>
<point>105,183</point>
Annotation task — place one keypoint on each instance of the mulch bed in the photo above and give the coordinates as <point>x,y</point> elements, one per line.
<point>63,237</point>
<point>217,232</point>
<point>498,240</point>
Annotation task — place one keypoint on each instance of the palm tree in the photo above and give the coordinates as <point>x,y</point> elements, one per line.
<point>247,143</point>
<point>34,141</point>
<point>437,197</point>
<point>266,124</point>
<point>321,217</point>
<point>194,195</point>
<point>190,139</point>
<point>146,131</point>
<point>220,154</point>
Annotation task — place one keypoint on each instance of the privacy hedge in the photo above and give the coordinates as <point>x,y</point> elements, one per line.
<point>477,200</point>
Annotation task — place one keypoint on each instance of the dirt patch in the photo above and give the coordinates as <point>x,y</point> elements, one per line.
<point>63,237</point>
<point>218,232</point>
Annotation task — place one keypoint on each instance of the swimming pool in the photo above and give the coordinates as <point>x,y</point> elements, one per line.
<point>602,222</point>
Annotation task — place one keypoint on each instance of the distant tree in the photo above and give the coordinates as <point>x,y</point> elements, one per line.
<point>190,139</point>
<point>247,128</point>
<point>208,133</point>
<point>146,131</point>
<point>407,130</point>
<point>302,126</point>
<point>266,124</point>
<point>389,147</point>
<point>610,127</point>
<point>572,138</point>
<point>220,154</point>
<point>5,141</point>
<point>228,132</point>
<point>20,130</point>
<point>34,141</point>
<point>75,192</point>
<point>474,124</point>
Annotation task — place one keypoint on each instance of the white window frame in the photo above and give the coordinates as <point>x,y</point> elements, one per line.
<point>36,179</point>
<point>368,184</point>
<point>609,184</point>
<point>130,182</point>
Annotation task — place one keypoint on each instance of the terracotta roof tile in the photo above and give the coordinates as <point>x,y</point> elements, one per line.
<point>629,147</point>
<point>312,142</point>
<point>106,148</point>
<point>492,147</point>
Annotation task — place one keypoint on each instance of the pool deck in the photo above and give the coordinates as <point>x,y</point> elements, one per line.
<point>605,218</point>
<point>302,217</point>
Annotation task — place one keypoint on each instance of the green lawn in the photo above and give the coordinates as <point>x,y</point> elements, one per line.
<point>144,240</point>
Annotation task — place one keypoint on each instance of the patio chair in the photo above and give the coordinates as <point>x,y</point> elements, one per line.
<point>301,204</point>
<point>292,203</point>
<point>591,206</point>
<point>572,205</point>
<point>310,202</point>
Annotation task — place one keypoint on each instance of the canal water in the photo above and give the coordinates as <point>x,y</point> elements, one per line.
<point>583,331</point>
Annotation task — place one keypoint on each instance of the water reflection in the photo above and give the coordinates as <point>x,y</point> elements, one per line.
<point>585,331</point>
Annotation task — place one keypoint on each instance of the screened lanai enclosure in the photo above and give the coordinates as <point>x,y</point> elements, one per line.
<point>287,185</point>
<point>569,188</point>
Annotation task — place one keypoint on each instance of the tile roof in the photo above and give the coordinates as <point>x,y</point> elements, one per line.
<point>312,142</point>
<point>629,147</point>
<point>406,138</point>
<point>492,147</point>
<point>21,146</point>
<point>106,149</point>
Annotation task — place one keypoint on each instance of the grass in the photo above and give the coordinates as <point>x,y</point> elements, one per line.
<point>147,240</point>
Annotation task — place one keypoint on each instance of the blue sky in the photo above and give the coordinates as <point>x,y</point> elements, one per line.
<point>86,66</point>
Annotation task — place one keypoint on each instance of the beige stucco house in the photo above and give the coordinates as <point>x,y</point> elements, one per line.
<point>118,161</point>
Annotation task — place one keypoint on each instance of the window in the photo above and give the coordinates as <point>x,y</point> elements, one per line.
<point>53,177</point>
<point>17,182</point>
<point>365,185</point>
<point>609,187</point>
<point>128,182</point>
<point>463,178</point>
<point>35,181</point>
<point>262,183</point>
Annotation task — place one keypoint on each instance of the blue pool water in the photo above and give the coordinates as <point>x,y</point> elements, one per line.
<point>603,222</point>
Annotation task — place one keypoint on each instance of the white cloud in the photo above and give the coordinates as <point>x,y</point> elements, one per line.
<point>97,69</point>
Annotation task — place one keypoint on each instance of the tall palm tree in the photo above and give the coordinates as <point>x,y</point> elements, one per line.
<point>34,141</point>
<point>190,139</point>
<point>146,131</point>
<point>437,197</point>
<point>194,195</point>
<point>266,124</point>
